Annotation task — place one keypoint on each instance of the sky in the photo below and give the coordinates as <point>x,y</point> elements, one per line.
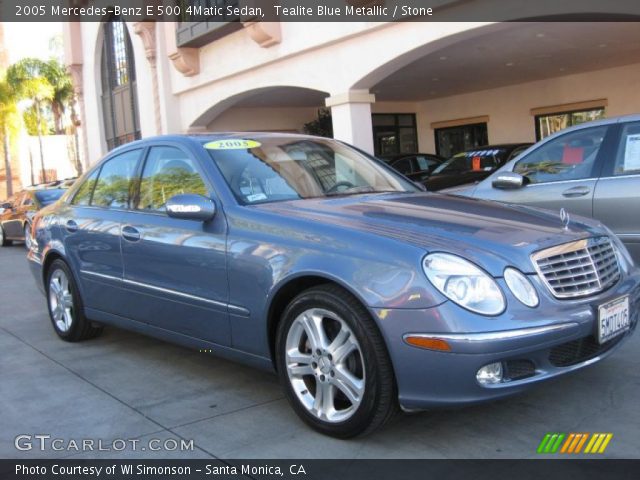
<point>26,39</point>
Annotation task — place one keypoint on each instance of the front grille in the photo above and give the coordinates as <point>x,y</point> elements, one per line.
<point>577,351</point>
<point>578,268</point>
<point>519,369</point>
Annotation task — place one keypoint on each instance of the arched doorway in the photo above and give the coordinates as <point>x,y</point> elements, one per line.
<point>118,75</point>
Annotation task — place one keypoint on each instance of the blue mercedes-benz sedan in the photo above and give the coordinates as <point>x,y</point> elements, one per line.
<point>305,256</point>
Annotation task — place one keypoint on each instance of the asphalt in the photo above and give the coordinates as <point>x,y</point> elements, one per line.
<point>127,386</point>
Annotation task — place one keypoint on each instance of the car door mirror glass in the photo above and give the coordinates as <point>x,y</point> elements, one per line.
<point>509,181</point>
<point>191,207</point>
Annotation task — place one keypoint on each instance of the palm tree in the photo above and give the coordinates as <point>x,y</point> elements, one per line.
<point>40,91</point>
<point>63,94</point>
<point>27,79</point>
<point>56,75</point>
<point>9,124</point>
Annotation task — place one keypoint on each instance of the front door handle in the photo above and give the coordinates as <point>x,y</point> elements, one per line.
<point>130,233</point>
<point>71,226</point>
<point>576,192</point>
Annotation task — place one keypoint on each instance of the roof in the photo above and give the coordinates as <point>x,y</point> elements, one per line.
<point>209,136</point>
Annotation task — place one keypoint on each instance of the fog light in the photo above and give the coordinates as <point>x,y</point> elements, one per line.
<point>490,374</point>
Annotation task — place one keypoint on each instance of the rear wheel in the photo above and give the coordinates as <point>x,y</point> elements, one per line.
<point>65,305</point>
<point>3,239</point>
<point>333,363</point>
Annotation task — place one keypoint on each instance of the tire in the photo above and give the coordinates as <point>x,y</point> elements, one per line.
<point>27,236</point>
<point>65,306</point>
<point>3,239</point>
<point>349,366</point>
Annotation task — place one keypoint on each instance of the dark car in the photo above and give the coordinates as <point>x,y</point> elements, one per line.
<point>16,213</point>
<point>473,165</point>
<point>302,256</point>
<point>416,166</point>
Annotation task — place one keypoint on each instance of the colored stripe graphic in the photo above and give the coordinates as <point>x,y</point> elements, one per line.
<point>550,443</point>
<point>573,443</point>
<point>598,443</point>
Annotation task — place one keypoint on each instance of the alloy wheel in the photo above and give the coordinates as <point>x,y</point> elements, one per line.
<point>61,300</point>
<point>325,365</point>
<point>27,237</point>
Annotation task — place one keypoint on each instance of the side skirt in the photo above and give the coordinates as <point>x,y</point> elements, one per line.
<point>228,353</point>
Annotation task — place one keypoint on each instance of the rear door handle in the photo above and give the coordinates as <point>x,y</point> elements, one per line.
<point>576,192</point>
<point>130,233</point>
<point>71,226</point>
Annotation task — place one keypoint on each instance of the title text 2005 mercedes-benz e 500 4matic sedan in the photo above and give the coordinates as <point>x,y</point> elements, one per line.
<point>306,256</point>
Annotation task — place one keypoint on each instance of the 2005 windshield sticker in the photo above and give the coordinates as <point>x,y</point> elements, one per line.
<point>232,144</point>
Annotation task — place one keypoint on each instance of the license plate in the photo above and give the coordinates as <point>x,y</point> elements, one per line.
<point>613,319</point>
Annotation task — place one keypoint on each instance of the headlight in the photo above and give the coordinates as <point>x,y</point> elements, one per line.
<point>521,287</point>
<point>464,283</point>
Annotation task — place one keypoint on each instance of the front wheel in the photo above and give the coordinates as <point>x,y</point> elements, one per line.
<point>333,363</point>
<point>65,305</point>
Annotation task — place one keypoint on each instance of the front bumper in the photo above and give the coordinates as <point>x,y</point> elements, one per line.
<point>533,344</point>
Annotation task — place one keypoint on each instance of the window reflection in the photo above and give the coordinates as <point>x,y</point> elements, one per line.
<point>168,172</point>
<point>113,188</point>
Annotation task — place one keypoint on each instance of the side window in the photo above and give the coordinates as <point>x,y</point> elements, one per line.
<point>403,165</point>
<point>568,157</point>
<point>168,171</point>
<point>628,157</point>
<point>83,195</point>
<point>425,163</point>
<point>113,188</point>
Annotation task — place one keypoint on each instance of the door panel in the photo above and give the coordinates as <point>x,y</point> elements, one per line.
<point>575,197</point>
<point>175,270</point>
<point>90,229</point>
<point>91,237</point>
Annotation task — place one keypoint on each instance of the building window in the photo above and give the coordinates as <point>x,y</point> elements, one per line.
<point>452,140</point>
<point>394,133</point>
<point>551,123</point>
<point>119,94</point>
<point>119,67</point>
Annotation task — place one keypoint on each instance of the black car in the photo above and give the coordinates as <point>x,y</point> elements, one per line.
<point>17,211</point>
<point>416,166</point>
<point>473,165</point>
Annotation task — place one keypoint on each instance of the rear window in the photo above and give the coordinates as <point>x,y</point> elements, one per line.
<point>47,197</point>
<point>475,160</point>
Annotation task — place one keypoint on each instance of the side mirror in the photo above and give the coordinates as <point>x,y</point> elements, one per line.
<point>509,181</point>
<point>191,207</point>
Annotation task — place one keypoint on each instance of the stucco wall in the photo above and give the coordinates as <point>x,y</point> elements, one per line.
<point>263,119</point>
<point>509,108</point>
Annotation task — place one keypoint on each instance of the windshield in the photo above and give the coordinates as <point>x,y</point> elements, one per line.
<point>475,160</point>
<point>47,197</point>
<point>269,169</point>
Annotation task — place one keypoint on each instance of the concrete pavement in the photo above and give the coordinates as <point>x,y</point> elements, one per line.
<point>126,386</point>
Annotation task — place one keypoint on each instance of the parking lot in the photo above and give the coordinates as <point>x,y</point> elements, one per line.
<point>126,386</point>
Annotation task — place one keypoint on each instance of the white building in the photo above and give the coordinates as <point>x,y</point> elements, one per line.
<point>397,86</point>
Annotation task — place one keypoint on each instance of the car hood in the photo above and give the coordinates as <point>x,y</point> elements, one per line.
<point>491,234</point>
